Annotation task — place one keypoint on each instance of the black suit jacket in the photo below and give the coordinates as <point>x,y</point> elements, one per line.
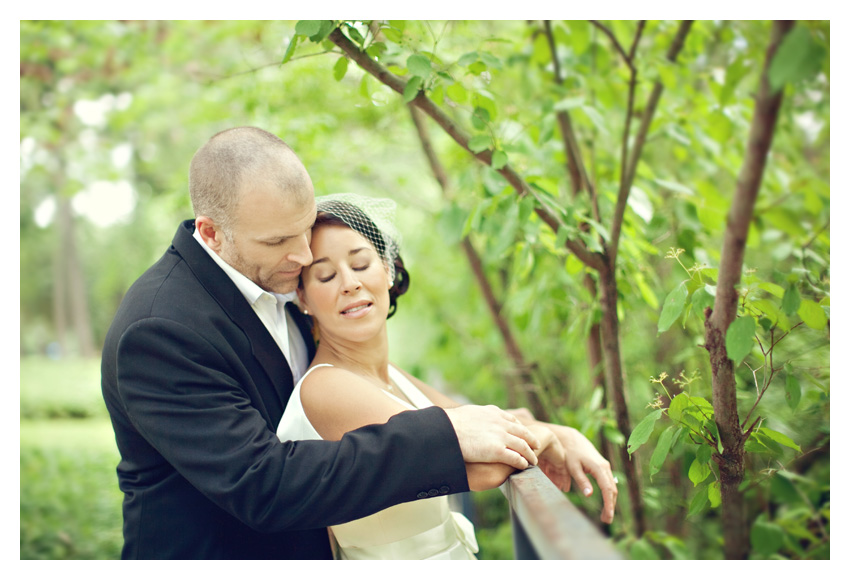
<point>196,386</point>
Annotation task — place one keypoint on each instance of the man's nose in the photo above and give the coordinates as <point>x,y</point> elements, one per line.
<point>302,254</point>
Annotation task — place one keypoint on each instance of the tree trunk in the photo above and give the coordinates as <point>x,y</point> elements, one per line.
<point>616,389</point>
<point>74,280</point>
<point>730,460</point>
<point>60,312</point>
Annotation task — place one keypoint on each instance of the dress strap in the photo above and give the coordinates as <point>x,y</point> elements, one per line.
<point>311,369</point>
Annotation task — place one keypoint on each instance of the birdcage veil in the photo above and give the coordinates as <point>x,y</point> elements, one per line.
<point>373,218</point>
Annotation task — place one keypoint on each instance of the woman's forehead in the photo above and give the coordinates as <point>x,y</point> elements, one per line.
<point>334,238</point>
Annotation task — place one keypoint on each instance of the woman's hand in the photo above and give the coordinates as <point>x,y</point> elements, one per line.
<point>551,455</point>
<point>583,458</point>
<point>580,458</point>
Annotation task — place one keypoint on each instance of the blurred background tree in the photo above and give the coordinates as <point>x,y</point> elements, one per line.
<point>509,282</point>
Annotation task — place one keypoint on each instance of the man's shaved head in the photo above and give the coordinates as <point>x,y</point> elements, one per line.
<point>239,158</point>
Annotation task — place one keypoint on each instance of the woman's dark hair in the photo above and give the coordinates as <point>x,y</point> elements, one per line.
<point>367,228</point>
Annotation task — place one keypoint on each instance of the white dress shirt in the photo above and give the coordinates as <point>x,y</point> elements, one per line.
<point>271,308</point>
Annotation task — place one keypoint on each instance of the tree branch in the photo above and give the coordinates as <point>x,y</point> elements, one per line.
<point>563,117</point>
<point>460,136</point>
<point>615,42</point>
<point>746,190</point>
<point>628,176</point>
<point>521,368</point>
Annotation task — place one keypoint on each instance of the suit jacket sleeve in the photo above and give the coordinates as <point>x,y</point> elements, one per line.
<point>178,390</point>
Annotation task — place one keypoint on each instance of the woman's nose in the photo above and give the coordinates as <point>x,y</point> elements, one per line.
<point>350,282</point>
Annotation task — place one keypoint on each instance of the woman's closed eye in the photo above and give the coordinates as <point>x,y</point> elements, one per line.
<point>329,277</point>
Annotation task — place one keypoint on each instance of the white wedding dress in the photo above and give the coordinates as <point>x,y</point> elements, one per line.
<point>424,529</point>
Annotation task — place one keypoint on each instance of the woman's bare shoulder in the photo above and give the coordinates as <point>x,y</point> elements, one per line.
<point>337,400</point>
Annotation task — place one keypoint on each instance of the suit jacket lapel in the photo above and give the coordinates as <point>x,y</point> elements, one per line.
<point>221,287</point>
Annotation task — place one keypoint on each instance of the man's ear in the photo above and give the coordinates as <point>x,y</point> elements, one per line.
<point>210,233</point>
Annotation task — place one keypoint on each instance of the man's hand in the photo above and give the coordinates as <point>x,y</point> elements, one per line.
<point>580,458</point>
<point>488,434</point>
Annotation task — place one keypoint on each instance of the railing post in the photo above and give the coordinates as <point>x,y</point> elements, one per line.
<point>547,526</point>
<point>523,548</point>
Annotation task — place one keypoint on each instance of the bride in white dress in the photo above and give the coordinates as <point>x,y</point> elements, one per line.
<point>350,290</point>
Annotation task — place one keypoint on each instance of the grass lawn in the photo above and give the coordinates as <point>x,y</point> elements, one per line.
<point>70,502</point>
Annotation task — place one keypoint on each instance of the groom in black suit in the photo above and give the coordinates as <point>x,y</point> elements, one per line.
<point>200,361</point>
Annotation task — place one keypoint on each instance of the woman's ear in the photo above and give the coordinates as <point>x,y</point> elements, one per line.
<point>302,302</point>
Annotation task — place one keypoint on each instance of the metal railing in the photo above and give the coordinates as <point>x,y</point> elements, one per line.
<point>547,526</point>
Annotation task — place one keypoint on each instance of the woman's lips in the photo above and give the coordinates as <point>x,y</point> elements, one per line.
<point>357,310</point>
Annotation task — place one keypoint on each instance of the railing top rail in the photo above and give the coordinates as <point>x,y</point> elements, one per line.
<point>555,527</point>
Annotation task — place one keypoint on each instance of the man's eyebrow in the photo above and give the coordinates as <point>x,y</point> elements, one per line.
<point>284,238</point>
<point>351,253</point>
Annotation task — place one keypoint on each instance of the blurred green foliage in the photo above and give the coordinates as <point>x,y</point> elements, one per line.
<point>166,86</point>
<point>70,501</point>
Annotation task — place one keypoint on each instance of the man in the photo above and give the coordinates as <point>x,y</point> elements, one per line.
<point>201,358</point>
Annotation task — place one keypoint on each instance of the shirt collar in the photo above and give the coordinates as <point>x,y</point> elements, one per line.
<point>247,287</point>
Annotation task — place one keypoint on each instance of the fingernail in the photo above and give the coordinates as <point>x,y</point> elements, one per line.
<point>587,491</point>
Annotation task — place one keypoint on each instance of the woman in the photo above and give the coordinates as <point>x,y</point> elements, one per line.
<point>350,290</point>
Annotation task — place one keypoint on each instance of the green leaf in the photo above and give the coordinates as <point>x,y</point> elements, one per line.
<point>457,93</point>
<point>661,450</point>
<point>325,28</point>
<point>480,118</point>
<point>791,300</point>
<point>643,550</point>
<point>812,314</point>
<point>290,50</point>
<point>702,299</point>
<point>569,103</point>
<point>766,537</point>
<point>340,68</point>
<point>674,304</point>
<point>500,159</point>
<point>714,493</point>
<point>411,89</point>
<point>768,308</point>
<point>734,73</point>
<point>642,432</point>
<point>419,66</point>
<point>704,453</point>
<point>490,60</point>
<point>450,223</point>
<point>674,187</point>
<point>479,143</point>
<point>376,49</point>
<point>798,58</point>
<point>477,67</point>
<point>677,407</point>
<point>308,27</point>
<point>780,438</point>
<point>792,390</point>
<point>467,59</point>
<point>355,35</point>
<point>573,265</point>
<point>698,472</point>
<point>699,502</point>
<point>739,338</point>
<point>392,34</point>
<point>774,289</point>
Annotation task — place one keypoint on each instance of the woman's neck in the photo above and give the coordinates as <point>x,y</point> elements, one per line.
<point>369,359</point>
